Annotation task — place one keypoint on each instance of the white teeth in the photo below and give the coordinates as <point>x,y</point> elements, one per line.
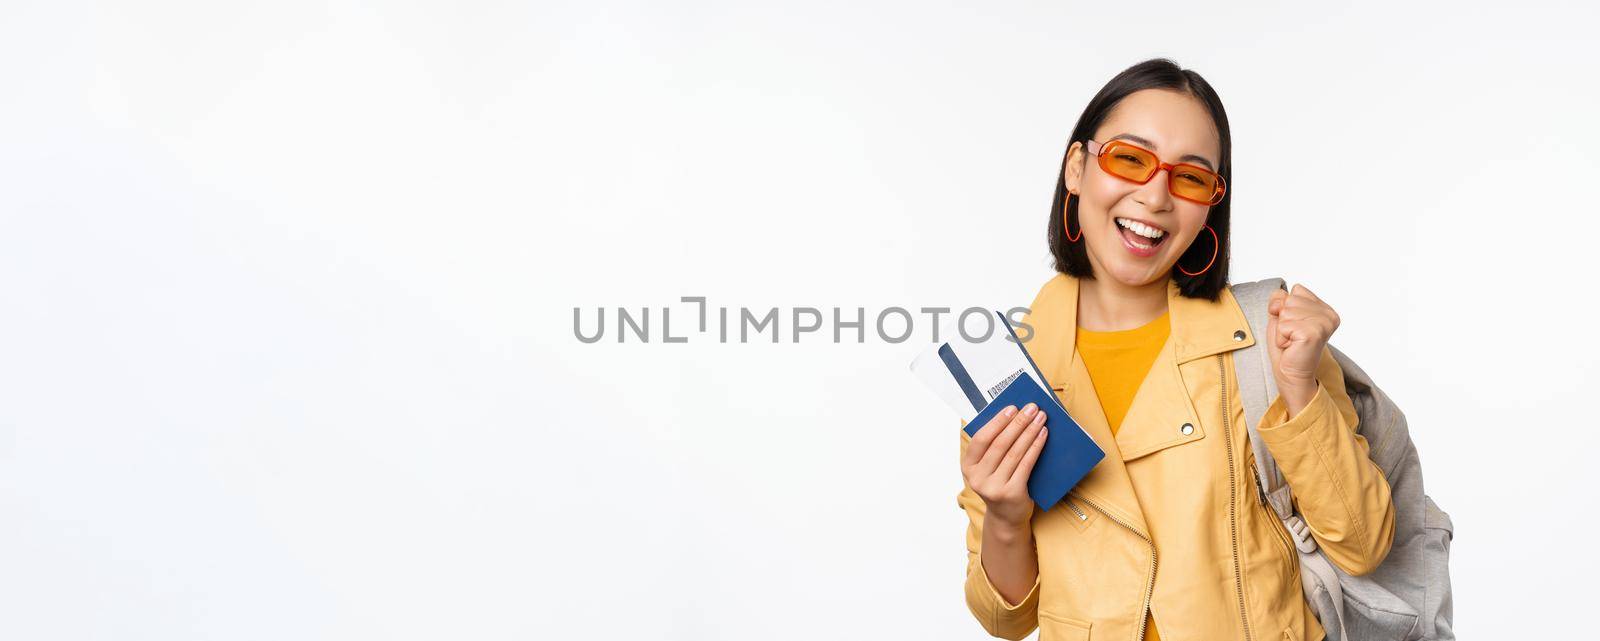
<point>1141,228</point>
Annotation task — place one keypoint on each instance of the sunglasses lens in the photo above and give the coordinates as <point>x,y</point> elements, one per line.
<point>1194,183</point>
<point>1139,165</point>
<point>1131,163</point>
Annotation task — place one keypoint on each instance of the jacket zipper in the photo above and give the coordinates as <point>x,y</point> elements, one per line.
<point>1233,496</point>
<point>1075,510</point>
<point>1261,492</point>
<point>1276,524</point>
<point>1150,581</point>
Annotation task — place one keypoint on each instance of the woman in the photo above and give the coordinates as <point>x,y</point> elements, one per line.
<point>1167,536</point>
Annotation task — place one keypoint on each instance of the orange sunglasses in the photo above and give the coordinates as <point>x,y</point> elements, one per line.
<point>1136,164</point>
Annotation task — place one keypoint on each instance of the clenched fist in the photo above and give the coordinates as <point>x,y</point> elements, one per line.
<point>1298,327</point>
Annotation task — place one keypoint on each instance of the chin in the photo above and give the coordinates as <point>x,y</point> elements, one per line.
<point>1137,275</point>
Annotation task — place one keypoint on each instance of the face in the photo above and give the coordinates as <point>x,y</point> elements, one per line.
<point>1173,125</point>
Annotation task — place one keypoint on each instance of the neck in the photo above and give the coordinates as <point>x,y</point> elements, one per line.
<point>1106,305</point>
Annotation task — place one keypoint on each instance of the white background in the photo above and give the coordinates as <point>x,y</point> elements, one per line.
<point>287,291</point>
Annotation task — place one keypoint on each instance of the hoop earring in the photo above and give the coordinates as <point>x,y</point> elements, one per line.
<point>1216,246</point>
<point>1066,222</point>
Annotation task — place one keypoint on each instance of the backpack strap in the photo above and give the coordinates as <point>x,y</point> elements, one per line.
<point>1253,365</point>
<point>1257,387</point>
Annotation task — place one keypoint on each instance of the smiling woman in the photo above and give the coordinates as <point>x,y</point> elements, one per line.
<point>1150,112</point>
<point>1168,535</point>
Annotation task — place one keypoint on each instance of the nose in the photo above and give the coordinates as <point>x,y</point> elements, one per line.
<point>1155,194</point>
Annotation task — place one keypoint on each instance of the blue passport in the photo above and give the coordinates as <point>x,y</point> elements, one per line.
<point>1068,453</point>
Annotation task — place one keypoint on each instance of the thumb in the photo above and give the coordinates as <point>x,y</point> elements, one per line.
<point>1275,303</point>
<point>1274,307</point>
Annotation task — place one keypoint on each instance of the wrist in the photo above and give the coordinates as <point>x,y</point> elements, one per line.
<point>1297,395</point>
<point>1009,531</point>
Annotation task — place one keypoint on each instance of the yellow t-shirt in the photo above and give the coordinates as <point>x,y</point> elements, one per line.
<point>1118,362</point>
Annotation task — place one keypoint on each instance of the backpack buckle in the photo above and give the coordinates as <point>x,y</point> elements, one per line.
<point>1302,534</point>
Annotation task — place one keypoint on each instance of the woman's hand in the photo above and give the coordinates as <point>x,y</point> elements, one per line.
<point>1298,327</point>
<point>999,460</point>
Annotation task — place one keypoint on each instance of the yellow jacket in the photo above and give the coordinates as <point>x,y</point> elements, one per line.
<point>1171,520</point>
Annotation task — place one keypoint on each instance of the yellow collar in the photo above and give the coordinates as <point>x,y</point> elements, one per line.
<point>1199,327</point>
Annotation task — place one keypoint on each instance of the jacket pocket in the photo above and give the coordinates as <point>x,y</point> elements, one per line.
<point>1059,628</point>
<point>1077,513</point>
<point>1291,554</point>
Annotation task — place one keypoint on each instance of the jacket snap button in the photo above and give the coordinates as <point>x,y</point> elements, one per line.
<point>1238,335</point>
<point>1187,429</point>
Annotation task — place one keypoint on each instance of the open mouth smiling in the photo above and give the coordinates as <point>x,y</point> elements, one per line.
<point>1140,235</point>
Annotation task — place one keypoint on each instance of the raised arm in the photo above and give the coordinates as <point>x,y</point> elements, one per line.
<point>1311,431</point>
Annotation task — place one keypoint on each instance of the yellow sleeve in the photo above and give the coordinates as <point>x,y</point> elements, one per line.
<point>1341,494</point>
<point>998,617</point>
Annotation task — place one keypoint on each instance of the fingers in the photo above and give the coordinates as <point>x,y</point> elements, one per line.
<point>1301,298</point>
<point>1019,448</point>
<point>1289,332</point>
<point>1305,292</point>
<point>1298,325</point>
<point>1003,440</point>
<point>1025,468</point>
<point>1311,328</point>
<point>1273,341</point>
<point>1321,308</point>
<point>1298,304</point>
<point>1303,328</point>
<point>1303,304</point>
<point>985,435</point>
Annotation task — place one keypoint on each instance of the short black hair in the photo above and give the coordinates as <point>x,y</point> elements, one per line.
<point>1157,73</point>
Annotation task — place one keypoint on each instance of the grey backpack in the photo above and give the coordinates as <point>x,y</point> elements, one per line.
<point>1408,596</point>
